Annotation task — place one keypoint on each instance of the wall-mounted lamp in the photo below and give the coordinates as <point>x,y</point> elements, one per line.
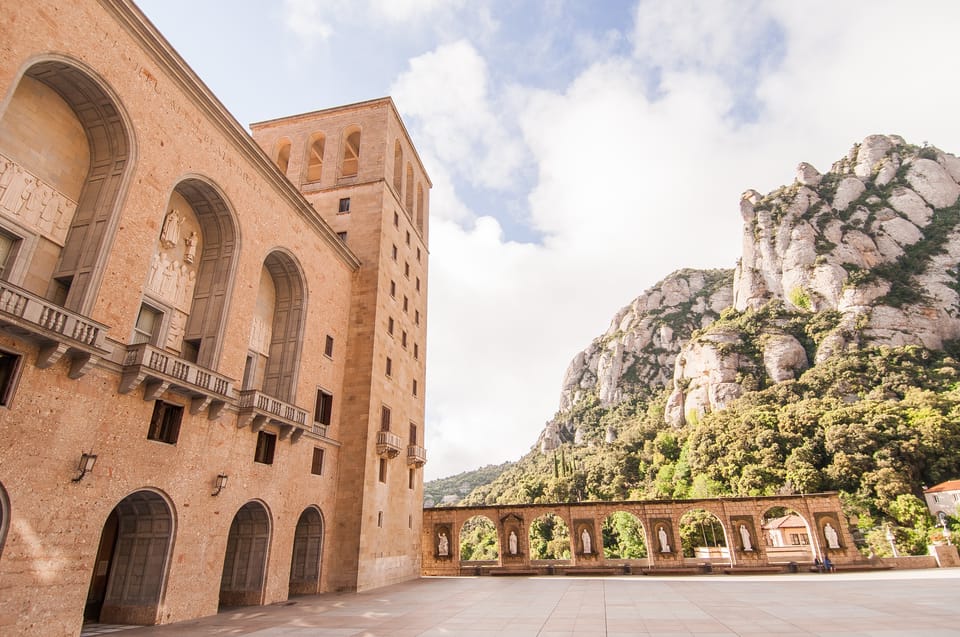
<point>220,484</point>
<point>87,461</point>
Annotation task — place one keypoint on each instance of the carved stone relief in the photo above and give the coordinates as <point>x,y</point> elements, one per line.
<point>33,202</point>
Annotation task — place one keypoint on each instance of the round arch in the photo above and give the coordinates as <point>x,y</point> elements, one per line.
<point>350,151</point>
<point>624,537</point>
<point>130,570</point>
<point>79,268</point>
<point>786,536</point>
<point>288,320</point>
<point>549,538</point>
<point>281,154</point>
<point>215,267</point>
<point>306,557</point>
<point>478,540</point>
<point>703,536</point>
<point>245,559</point>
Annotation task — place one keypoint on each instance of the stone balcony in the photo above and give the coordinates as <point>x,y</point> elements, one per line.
<point>158,370</point>
<point>388,444</point>
<point>258,409</point>
<point>56,330</point>
<point>416,455</point>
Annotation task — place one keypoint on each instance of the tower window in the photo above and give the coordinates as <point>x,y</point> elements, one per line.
<point>323,407</point>
<point>389,366</point>
<point>328,347</point>
<point>351,154</point>
<point>383,478</point>
<point>390,326</point>
<point>384,418</point>
<point>393,289</point>
<point>344,205</point>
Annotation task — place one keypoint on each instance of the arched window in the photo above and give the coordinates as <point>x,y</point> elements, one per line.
<point>307,552</point>
<point>277,333</point>
<point>351,153</point>
<point>75,202</point>
<point>245,561</point>
<point>283,155</point>
<point>315,157</point>
<point>409,198</point>
<point>420,207</point>
<point>135,547</point>
<point>191,274</point>
<point>397,168</point>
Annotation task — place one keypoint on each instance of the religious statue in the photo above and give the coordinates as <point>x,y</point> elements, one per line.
<point>191,247</point>
<point>745,536</point>
<point>664,544</point>
<point>833,540</point>
<point>512,543</point>
<point>443,545</point>
<point>585,537</point>
<point>170,234</point>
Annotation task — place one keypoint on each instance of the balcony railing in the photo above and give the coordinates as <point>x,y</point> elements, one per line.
<point>388,444</point>
<point>416,455</point>
<point>58,331</point>
<point>158,370</point>
<point>258,409</point>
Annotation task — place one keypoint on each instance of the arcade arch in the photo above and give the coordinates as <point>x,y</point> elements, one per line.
<point>307,553</point>
<point>549,538</point>
<point>350,162</point>
<point>64,185</point>
<point>786,536</point>
<point>702,536</point>
<point>283,155</point>
<point>624,537</point>
<point>314,161</point>
<point>132,561</point>
<point>245,560</point>
<point>478,540</point>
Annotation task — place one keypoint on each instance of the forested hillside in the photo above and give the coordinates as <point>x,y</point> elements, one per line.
<point>828,361</point>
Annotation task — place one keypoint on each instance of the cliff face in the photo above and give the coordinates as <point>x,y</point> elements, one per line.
<point>865,254</point>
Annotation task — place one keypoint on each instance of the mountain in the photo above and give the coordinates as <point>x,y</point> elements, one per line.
<point>826,359</point>
<point>449,491</point>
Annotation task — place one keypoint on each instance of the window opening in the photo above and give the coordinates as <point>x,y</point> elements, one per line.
<point>9,369</point>
<point>323,408</point>
<point>165,422</point>
<point>266,444</point>
<point>315,158</point>
<point>351,155</point>
<point>344,206</point>
<point>389,366</point>
<point>147,326</point>
<point>328,347</point>
<point>384,418</point>
<point>316,467</point>
<point>383,478</point>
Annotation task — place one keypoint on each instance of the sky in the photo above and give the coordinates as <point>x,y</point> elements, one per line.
<point>579,150</point>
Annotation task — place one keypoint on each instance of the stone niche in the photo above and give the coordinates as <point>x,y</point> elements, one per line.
<point>585,539</point>
<point>442,543</point>
<point>513,537</point>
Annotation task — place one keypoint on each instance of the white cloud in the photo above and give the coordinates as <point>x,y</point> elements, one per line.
<point>447,89</point>
<point>307,19</point>
<point>632,186</point>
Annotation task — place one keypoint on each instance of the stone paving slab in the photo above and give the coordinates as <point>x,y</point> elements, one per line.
<point>883,604</point>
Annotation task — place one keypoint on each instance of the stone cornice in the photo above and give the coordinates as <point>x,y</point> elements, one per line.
<point>152,41</point>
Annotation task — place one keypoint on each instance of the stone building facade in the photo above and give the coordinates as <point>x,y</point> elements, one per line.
<point>212,349</point>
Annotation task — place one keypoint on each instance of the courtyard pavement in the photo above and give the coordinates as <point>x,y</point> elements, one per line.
<point>888,603</point>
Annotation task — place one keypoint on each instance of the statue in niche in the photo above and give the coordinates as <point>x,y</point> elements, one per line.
<point>191,247</point>
<point>664,543</point>
<point>17,191</point>
<point>833,540</point>
<point>6,175</point>
<point>512,543</point>
<point>443,545</point>
<point>178,322</point>
<point>585,538</point>
<point>170,234</point>
<point>745,536</point>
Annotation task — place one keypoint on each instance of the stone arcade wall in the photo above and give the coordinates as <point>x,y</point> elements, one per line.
<point>441,526</point>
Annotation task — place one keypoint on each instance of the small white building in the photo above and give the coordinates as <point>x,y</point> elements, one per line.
<point>944,497</point>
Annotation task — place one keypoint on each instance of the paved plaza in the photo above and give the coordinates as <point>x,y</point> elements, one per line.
<point>885,603</point>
